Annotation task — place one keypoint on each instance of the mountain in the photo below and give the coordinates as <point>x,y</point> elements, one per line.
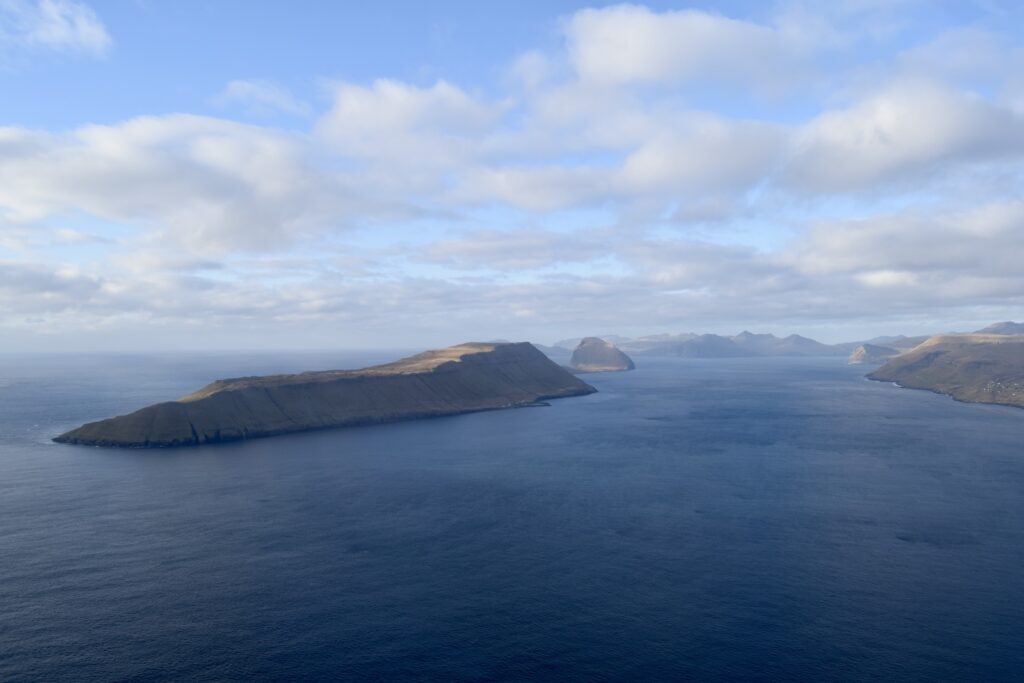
<point>708,346</point>
<point>597,355</point>
<point>872,354</point>
<point>1003,328</point>
<point>460,379</point>
<point>973,367</point>
<point>795,345</point>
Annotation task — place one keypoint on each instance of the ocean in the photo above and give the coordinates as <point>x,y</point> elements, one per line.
<point>722,519</point>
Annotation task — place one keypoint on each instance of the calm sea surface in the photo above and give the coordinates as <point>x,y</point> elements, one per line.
<point>696,519</point>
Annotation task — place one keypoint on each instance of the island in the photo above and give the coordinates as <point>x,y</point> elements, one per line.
<point>872,354</point>
<point>597,355</point>
<point>460,379</point>
<point>977,368</point>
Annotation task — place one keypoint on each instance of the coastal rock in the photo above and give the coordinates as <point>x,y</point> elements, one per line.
<point>971,367</point>
<point>460,379</point>
<point>597,355</point>
<point>871,354</point>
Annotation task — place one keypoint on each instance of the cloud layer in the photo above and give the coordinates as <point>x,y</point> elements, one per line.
<point>62,25</point>
<point>656,171</point>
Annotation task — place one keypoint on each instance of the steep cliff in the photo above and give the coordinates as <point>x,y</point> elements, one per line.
<point>460,379</point>
<point>971,367</point>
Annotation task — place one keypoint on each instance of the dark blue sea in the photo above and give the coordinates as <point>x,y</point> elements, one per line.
<point>755,519</point>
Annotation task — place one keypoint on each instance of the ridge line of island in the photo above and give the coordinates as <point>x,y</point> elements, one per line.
<point>982,367</point>
<point>466,378</point>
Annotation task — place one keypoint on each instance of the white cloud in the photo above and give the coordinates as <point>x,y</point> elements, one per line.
<point>195,182</point>
<point>522,249</point>
<point>937,248</point>
<point>395,120</point>
<point>531,69</point>
<point>536,188</point>
<point>970,54</point>
<point>705,154</point>
<point>631,44</point>
<point>63,25</point>
<point>907,129</point>
<point>261,96</point>
<point>371,221</point>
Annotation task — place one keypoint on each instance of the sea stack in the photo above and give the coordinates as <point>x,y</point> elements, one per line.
<point>460,379</point>
<point>597,355</point>
<point>871,354</point>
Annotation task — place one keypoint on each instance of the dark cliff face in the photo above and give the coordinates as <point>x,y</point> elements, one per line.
<point>597,355</point>
<point>460,379</point>
<point>975,368</point>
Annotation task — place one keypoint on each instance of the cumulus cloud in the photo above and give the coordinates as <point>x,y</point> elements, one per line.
<point>587,190</point>
<point>705,154</point>
<point>977,241</point>
<point>628,44</point>
<point>197,182</point>
<point>907,129</point>
<point>391,119</point>
<point>515,250</point>
<point>537,188</point>
<point>968,55</point>
<point>261,96</point>
<point>63,25</point>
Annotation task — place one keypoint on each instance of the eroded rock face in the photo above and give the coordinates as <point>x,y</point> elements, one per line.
<point>597,355</point>
<point>872,354</point>
<point>972,367</point>
<point>460,379</point>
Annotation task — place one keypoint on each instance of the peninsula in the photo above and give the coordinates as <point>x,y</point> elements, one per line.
<point>460,379</point>
<point>977,368</point>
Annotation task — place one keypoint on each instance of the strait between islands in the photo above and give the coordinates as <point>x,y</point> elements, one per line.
<point>460,379</point>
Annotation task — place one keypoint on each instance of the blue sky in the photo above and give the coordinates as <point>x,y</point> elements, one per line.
<point>293,175</point>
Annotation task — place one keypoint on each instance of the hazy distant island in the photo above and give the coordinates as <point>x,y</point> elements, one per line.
<point>691,345</point>
<point>872,354</point>
<point>597,355</point>
<point>979,368</point>
<point>1008,327</point>
<point>459,379</point>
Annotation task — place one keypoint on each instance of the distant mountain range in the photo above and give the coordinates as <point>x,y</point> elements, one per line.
<point>749,344</point>
<point>744,344</point>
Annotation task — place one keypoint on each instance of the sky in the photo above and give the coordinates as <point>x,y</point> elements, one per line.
<point>312,175</point>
